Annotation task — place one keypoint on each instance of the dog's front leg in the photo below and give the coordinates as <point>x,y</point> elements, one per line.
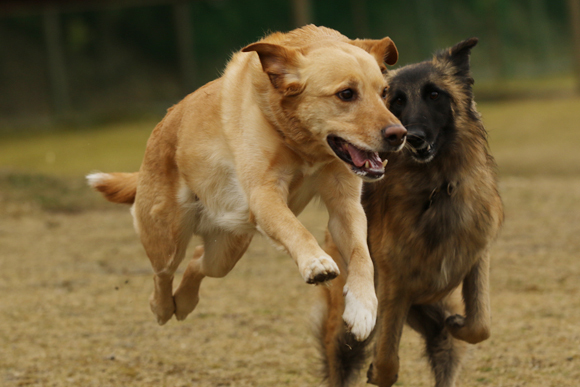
<point>348,226</point>
<point>475,326</point>
<point>272,215</point>
<point>394,308</point>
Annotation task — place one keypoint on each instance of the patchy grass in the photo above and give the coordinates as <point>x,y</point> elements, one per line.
<point>537,137</point>
<point>525,88</point>
<point>533,137</point>
<point>45,192</point>
<point>75,281</point>
<point>118,147</point>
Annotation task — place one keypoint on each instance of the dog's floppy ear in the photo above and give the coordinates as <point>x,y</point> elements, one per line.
<point>281,64</point>
<point>383,50</point>
<point>459,54</point>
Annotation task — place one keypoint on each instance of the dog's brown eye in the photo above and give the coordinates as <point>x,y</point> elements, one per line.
<point>399,101</point>
<point>434,95</point>
<point>384,95</point>
<point>346,94</point>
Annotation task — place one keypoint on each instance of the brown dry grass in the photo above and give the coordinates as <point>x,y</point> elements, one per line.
<point>74,280</point>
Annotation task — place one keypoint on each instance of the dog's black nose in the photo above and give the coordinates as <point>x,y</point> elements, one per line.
<point>394,135</point>
<point>417,140</point>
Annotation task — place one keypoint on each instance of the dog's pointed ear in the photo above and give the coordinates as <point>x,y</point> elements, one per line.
<point>459,55</point>
<point>383,50</point>
<point>281,64</point>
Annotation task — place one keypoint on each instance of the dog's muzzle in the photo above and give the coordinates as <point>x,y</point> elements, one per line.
<point>394,136</point>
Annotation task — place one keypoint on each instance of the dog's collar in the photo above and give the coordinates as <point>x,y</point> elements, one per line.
<point>447,187</point>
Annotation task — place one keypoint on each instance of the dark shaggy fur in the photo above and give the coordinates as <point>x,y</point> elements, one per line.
<point>349,353</point>
<point>431,221</point>
<point>343,356</point>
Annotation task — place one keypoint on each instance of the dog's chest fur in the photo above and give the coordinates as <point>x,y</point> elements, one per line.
<point>303,186</point>
<point>230,209</point>
<point>437,230</point>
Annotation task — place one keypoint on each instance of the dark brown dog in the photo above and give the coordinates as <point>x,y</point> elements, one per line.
<point>431,222</point>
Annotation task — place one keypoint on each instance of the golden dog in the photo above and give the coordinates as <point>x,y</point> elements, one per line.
<point>294,116</point>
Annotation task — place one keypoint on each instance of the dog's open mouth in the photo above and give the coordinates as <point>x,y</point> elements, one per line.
<point>423,152</point>
<point>366,164</point>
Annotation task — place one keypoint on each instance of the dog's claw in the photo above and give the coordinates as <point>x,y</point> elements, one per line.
<point>320,270</point>
<point>322,277</point>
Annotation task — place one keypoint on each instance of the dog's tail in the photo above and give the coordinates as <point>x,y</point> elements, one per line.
<point>343,357</point>
<point>115,187</point>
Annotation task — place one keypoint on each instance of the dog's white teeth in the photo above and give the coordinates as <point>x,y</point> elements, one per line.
<point>385,161</point>
<point>367,164</point>
<point>428,148</point>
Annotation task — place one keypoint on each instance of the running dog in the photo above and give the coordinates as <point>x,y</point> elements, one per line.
<point>431,222</point>
<point>295,115</point>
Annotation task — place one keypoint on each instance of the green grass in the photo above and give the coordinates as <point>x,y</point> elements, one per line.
<point>536,87</point>
<point>537,137</point>
<point>117,147</point>
<point>47,170</point>
<point>49,193</point>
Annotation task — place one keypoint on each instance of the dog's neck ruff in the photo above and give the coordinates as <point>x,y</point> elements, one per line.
<point>447,187</point>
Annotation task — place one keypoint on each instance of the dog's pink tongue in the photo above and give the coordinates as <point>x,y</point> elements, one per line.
<point>358,157</point>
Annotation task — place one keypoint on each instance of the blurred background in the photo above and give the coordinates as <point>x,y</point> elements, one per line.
<point>83,83</point>
<point>75,62</point>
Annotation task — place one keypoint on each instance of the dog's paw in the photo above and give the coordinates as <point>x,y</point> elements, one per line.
<point>319,270</point>
<point>360,315</point>
<point>163,309</point>
<point>462,330</point>
<point>455,322</point>
<point>184,305</point>
<point>372,377</point>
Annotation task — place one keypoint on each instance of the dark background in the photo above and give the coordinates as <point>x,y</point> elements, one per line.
<point>87,61</point>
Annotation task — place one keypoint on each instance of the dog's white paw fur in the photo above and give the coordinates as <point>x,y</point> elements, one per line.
<point>360,315</point>
<point>319,270</point>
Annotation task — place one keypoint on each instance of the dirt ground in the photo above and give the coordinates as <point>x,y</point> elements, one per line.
<point>75,286</point>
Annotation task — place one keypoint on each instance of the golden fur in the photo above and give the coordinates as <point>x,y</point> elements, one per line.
<point>249,150</point>
<point>430,225</point>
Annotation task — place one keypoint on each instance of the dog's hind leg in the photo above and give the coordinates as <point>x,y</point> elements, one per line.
<point>444,352</point>
<point>186,295</point>
<point>165,234</point>
<point>216,258</point>
<point>475,326</point>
